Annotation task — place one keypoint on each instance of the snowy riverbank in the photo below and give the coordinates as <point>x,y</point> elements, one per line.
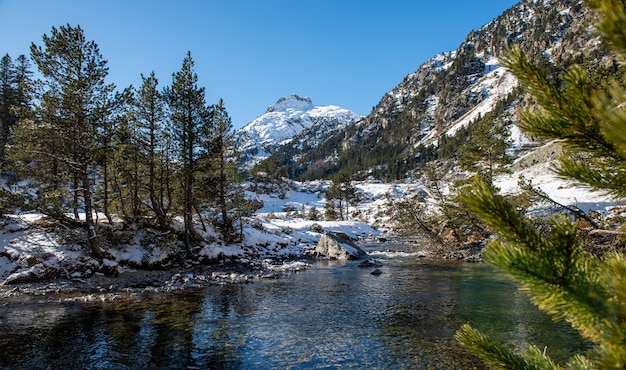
<point>48,257</point>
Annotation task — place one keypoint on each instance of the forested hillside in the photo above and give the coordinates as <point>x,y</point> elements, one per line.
<point>421,118</point>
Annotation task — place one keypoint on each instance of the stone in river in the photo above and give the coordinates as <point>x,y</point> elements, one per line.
<point>338,246</point>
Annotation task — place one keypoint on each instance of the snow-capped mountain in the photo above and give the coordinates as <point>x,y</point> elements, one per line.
<point>290,117</point>
<point>415,121</point>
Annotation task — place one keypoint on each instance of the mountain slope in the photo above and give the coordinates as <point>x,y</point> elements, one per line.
<point>411,123</point>
<point>290,117</point>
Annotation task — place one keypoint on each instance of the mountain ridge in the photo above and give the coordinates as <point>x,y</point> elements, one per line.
<point>288,118</point>
<point>449,91</point>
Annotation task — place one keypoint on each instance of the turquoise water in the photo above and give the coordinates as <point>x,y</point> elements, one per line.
<point>334,315</point>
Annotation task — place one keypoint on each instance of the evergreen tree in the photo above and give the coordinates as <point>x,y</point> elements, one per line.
<point>124,156</point>
<point>221,150</point>
<point>330,210</point>
<point>62,141</point>
<point>23,82</point>
<point>188,114</point>
<point>117,117</point>
<point>152,136</point>
<point>15,96</point>
<point>568,283</point>
<point>485,147</point>
<point>7,101</point>
<point>341,192</point>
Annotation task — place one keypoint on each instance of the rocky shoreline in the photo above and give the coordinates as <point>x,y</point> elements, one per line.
<point>101,287</point>
<point>107,288</point>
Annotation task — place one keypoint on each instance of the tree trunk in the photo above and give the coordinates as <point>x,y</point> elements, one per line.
<point>222,193</point>
<point>90,226</point>
<point>75,190</point>
<point>190,231</point>
<point>136,197</point>
<point>105,195</point>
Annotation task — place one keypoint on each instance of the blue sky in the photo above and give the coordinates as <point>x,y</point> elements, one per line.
<point>251,53</point>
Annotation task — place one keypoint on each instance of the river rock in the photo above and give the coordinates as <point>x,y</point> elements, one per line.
<point>370,263</point>
<point>338,246</point>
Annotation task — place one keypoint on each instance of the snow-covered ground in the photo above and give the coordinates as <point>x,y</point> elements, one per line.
<point>540,173</point>
<point>281,230</point>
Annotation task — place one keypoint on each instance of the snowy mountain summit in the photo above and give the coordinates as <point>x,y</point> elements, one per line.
<point>294,102</point>
<point>290,118</point>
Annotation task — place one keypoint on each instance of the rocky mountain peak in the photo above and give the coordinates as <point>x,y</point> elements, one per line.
<point>294,102</point>
<point>292,117</point>
<point>413,122</point>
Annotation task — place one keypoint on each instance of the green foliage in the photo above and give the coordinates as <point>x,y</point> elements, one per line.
<point>497,355</point>
<point>341,194</point>
<point>221,175</point>
<point>561,278</point>
<point>60,144</point>
<point>330,211</point>
<point>316,228</point>
<point>15,96</point>
<point>313,214</point>
<point>144,154</point>
<point>588,121</point>
<point>485,149</point>
<point>10,202</point>
<point>188,114</point>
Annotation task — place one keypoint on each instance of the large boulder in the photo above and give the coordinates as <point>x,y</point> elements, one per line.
<point>338,246</point>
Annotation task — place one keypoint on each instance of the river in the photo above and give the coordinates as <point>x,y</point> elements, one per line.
<point>334,315</point>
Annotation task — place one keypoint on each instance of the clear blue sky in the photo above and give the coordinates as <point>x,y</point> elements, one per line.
<point>251,53</point>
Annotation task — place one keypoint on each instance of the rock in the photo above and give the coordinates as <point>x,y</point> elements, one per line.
<point>376,272</point>
<point>110,268</point>
<point>338,246</point>
<point>23,276</point>
<point>370,263</point>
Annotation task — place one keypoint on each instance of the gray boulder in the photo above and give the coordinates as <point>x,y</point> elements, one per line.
<point>338,246</point>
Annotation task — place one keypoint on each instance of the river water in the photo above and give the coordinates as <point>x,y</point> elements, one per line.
<point>334,315</point>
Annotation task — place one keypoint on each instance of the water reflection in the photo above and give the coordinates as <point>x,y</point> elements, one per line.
<point>335,315</point>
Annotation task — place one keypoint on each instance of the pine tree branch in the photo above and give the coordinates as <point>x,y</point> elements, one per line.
<point>498,356</point>
<point>563,280</point>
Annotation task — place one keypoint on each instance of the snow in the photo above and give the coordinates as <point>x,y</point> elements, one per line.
<point>518,139</point>
<point>563,191</point>
<point>28,251</point>
<point>277,231</point>
<point>284,121</point>
<point>494,86</point>
<point>442,61</point>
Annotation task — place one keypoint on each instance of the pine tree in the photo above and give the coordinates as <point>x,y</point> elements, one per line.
<point>568,283</point>
<point>7,101</point>
<point>153,140</point>
<point>61,142</point>
<point>221,150</point>
<point>118,117</point>
<point>128,175</point>
<point>341,192</point>
<point>188,114</point>
<point>15,96</point>
<point>485,147</point>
